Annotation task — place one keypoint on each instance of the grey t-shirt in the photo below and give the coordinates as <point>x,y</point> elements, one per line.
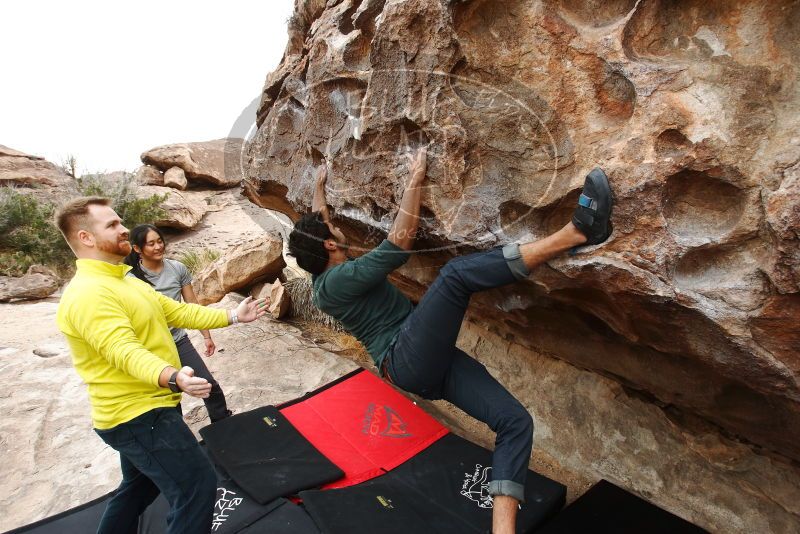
<point>169,282</point>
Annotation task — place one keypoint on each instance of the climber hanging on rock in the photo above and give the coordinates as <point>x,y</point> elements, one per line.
<point>415,347</point>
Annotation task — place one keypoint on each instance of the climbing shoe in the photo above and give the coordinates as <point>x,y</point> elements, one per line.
<point>593,214</point>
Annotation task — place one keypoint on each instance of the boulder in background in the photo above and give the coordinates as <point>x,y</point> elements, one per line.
<point>20,169</point>
<point>184,209</point>
<point>255,260</point>
<point>149,175</point>
<point>213,162</point>
<point>38,283</point>
<point>175,178</point>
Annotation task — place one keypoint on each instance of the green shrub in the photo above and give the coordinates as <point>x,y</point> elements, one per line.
<point>28,234</point>
<point>121,190</point>
<point>197,261</point>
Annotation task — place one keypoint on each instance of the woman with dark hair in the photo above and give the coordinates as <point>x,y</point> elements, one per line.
<point>173,279</point>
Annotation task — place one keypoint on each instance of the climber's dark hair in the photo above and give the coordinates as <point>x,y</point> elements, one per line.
<point>307,242</point>
<point>138,237</point>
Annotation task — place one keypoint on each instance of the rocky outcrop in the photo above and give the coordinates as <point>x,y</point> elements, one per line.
<point>212,162</point>
<point>672,101</point>
<point>149,175</point>
<point>280,302</point>
<point>20,169</point>
<point>240,267</point>
<point>175,178</point>
<point>589,424</point>
<point>689,107</point>
<point>37,283</point>
<point>183,209</point>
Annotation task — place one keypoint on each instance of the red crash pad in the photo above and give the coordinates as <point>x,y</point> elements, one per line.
<point>362,425</point>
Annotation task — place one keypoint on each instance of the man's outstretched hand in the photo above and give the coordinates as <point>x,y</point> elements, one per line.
<point>249,309</point>
<point>192,385</point>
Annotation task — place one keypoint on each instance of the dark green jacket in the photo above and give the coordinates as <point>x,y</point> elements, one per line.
<point>358,294</point>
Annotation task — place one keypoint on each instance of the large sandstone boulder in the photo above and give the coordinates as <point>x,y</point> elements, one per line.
<point>250,262</point>
<point>149,175</point>
<point>184,209</point>
<point>211,162</point>
<point>175,178</point>
<point>38,283</point>
<point>690,107</point>
<point>670,100</point>
<point>20,169</point>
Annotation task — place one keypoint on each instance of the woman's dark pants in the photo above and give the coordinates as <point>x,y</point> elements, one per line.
<point>215,402</point>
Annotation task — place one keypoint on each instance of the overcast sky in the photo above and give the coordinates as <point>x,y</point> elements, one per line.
<point>106,81</point>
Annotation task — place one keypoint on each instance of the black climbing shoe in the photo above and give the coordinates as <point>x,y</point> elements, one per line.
<point>593,214</point>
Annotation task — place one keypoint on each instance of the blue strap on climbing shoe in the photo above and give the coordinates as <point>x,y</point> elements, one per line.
<point>586,202</point>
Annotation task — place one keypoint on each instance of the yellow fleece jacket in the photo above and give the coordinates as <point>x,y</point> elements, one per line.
<point>117,328</point>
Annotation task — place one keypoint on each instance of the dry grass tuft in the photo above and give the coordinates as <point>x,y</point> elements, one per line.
<point>197,261</point>
<point>320,326</point>
<point>300,290</point>
<point>342,343</point>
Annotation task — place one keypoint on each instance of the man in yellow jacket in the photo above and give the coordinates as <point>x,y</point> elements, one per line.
<point>117,328</point>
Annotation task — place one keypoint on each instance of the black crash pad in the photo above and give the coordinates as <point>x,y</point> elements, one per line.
<point>443,489</point>
<point>234,512</point>
<point>82,518</point>
<point>266,456</point>
<point>288,518</point>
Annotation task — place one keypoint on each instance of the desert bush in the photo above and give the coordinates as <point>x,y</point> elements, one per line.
<point>197,261</point>
<point>29,236</point>
<point>122,191</point>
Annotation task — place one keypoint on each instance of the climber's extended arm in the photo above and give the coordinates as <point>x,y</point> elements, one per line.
<point>320,203</point>
<point>405,225</point>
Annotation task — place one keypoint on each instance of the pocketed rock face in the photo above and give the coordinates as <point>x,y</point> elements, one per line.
<point>691,108</point>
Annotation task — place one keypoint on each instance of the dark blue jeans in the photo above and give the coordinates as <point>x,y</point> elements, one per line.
<point>159,454</point>
<point>215,402</point>
<point>424,360</point>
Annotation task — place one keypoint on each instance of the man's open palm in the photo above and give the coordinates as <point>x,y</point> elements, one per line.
<point>250,309</point>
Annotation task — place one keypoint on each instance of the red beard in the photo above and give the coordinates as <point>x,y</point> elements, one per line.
<point>117,248</point>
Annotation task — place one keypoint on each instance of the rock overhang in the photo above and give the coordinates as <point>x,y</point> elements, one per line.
<point>691,299</point>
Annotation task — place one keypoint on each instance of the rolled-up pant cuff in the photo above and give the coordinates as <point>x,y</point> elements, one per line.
<point>514,260</point>
<point>508,488</point>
